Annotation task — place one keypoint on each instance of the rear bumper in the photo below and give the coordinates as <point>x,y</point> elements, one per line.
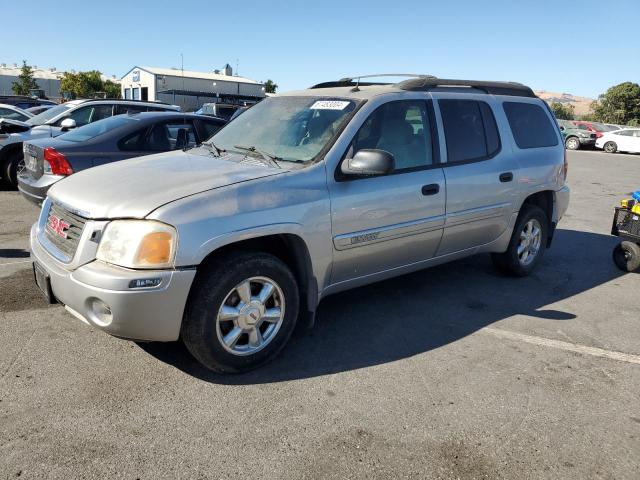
<point>151,314</point>
<point>36,190</point>
<point>561,202</point>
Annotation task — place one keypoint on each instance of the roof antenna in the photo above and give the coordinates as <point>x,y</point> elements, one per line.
<point>356,88</point>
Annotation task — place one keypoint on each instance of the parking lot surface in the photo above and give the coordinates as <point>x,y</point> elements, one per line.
<point>454,372</point>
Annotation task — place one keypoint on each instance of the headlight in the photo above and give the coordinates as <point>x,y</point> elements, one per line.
<point>138,244</point>
<point>584,135</point>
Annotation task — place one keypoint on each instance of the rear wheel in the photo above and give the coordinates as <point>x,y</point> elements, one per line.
<point>12,167</point>
<point>610,147</point>
<point>626,256</point>
<point>241,312</point>
<point>527,243</point>
<point>572,143</point>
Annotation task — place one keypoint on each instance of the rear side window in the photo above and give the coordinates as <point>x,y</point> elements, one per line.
<point>470,130</point>
<point>530,125</point>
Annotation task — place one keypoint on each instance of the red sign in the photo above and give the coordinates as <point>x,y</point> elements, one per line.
<point>58,225</point>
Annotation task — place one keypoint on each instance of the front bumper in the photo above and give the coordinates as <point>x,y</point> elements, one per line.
<point>36,190</point>
<point>149,314</point>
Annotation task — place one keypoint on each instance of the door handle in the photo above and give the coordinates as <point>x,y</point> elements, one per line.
<point>506,177</point>
<point>430,189</point>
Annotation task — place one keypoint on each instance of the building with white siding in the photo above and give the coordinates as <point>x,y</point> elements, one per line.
<point>190,89</point>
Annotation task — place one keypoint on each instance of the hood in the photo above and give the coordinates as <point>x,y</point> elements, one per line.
<point>134,188</point>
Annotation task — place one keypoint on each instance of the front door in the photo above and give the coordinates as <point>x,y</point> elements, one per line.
<point>381,223</point>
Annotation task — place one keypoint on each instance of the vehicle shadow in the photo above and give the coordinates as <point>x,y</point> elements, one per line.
<point>419,312</point>
<point>14,253</point>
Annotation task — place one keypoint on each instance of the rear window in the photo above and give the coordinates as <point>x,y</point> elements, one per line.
<point>530,125</point>
<point>92,130</point>
<point>470,130</point>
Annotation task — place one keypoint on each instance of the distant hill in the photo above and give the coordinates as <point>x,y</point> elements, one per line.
<point>581,104</point>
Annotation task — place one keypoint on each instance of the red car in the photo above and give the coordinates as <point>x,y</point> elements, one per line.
<point>593,127</point>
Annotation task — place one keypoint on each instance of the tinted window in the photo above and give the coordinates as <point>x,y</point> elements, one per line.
<point>82,116</point>
<point>97,128</point>
<point>210,127</point>
<point>626,133</point>
<point>530,125</point>
<point>100,112</point>
<point>161,137</point>
<point>133,141</point>
<point>469,129</point>
<point>124,108</point>
<point>402,129</point>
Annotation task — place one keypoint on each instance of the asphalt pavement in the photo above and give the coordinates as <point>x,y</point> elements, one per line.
<point>456,372</point>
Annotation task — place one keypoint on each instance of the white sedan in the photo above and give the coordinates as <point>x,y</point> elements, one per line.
<point>627,140</point>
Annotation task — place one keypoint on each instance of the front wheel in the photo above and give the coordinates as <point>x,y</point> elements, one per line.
<point>241,312</point>
<point>610,147</point>
<point>572,143</point>
<point>527,243</point>
<point>626,256</point>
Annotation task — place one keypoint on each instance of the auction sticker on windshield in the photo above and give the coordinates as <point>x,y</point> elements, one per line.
<point>329,105</point>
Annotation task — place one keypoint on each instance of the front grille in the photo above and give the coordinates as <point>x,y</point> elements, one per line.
<point>64,229</point>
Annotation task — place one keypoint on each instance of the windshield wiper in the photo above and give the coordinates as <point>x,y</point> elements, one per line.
<point>212,147</point>
<point>271,159</point>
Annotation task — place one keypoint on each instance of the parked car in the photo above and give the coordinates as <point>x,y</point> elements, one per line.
<point>14,113</point>
<point>56,121</point>
<point>575,138</point>
<point>594,127</point>
<point>121,137</point>
<point>305,194</point>
<point>23,101</point>
<point>39,109</point>
<point>620,141</point>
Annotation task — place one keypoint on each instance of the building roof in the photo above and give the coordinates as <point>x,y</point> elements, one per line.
<point>42,73</point>
<point>176,72</point>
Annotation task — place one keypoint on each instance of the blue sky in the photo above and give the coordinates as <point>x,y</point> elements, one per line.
<point>580,47</point>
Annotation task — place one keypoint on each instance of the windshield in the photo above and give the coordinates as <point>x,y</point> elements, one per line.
<point>94,129</point>
<point>293,129</point>
<point>47,115</point>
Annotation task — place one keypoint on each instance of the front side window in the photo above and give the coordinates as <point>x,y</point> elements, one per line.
<point>530,125</point>
<point>82,116</point>
<point>294,129</point>
<point>470,130</point>
<point>401,128</point>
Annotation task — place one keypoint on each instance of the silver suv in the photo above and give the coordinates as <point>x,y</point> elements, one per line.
<point>309,193</point>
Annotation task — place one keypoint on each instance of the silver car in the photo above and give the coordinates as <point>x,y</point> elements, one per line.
<point>306,194</point>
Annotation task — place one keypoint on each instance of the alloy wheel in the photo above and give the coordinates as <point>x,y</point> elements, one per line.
<point>530,242</point>
<point>250,316</point>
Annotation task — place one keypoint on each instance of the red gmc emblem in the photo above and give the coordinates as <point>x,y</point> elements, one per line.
<point>58,225</point>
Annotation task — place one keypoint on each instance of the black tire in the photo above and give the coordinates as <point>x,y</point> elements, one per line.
<point>10,168</point>
<point>610,147</point>
<point>572,143</point>
<point>211,286</point>
<point>509,261</point>
<point>626,256</point>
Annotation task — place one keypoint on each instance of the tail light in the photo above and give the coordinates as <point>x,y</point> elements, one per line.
<point>58,163</point>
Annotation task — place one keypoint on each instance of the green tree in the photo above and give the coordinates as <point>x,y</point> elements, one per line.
<point>87,84</point>
<point>270,87</point>
<point>25,80</point>
<point>563,111</point>
<point>620,104</point>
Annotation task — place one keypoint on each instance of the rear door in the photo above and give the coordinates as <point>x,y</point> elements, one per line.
<point>386,222</point>
<point>481,174</point>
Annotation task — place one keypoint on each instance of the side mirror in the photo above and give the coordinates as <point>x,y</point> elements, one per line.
<point>369,162</point>
<point>68,124</point>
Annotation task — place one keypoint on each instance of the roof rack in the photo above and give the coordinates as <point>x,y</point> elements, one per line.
<point>494,88</point>
<point>417,82</point>
<point>355,81</point>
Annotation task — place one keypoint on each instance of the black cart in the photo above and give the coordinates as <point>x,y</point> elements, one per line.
<point>626,225</point>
